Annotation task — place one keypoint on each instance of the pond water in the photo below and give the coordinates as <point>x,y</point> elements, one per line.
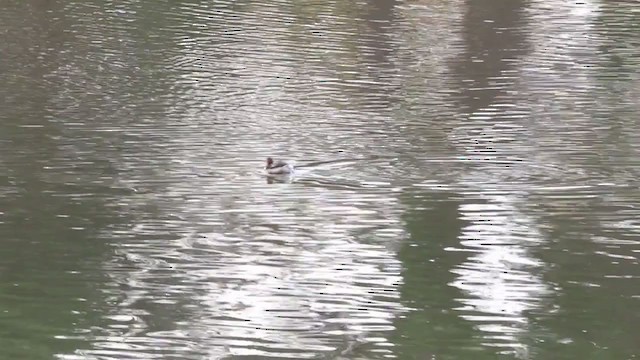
<point>467,183</point>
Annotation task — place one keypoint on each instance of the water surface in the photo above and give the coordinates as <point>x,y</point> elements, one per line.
<point>469,182</point>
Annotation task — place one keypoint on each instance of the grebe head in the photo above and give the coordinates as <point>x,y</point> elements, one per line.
<point>269,162</point>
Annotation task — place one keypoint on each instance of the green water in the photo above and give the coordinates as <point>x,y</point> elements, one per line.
<point>467,183</point>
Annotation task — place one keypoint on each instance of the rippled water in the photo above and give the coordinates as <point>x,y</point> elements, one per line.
<point>468,182</point>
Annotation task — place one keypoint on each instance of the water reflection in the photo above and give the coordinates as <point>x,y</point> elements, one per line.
<point>267,282</point>
<point>470,183</point>
<point>501,277</point>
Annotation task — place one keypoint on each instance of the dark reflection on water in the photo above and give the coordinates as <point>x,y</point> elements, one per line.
<point>468,180</point>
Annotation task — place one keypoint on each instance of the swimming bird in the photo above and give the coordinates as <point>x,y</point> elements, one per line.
<point>278,167</point>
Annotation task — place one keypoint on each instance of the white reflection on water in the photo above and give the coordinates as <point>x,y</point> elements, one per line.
<point>501,278</point>
<point>246,267</point>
